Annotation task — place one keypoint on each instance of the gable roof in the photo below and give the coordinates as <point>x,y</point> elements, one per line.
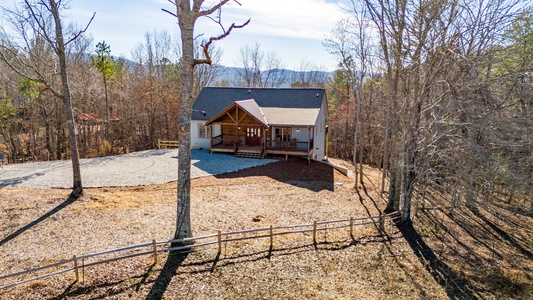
<point>253,109</point>
<point>250,106</point>
<point>213,100</point>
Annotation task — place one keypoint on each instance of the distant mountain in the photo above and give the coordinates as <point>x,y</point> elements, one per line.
<point>232,75</point>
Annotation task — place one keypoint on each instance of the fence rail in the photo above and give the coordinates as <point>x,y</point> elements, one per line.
<point>166,144</point>
<point>73,264</point>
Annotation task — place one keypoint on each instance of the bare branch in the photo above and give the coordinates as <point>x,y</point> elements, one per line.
<point>81,31</point>
<point>210,10</point>
<point>207,59</point>
<point>24,74</point>
<point>169,12</point>
<point>41,26</point>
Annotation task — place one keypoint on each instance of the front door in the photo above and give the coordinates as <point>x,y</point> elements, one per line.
<point>253,136</point>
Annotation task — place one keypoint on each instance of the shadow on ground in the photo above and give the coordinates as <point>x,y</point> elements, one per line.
<point>18,180</point>
<point>47,215</point>
<point>174,260</point>
<point>455,286</point>
<point>295,171</point>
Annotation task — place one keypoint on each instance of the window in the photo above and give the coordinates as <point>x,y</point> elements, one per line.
<point>204,132</point>
<point>253,132</point>
<point>283,133</point>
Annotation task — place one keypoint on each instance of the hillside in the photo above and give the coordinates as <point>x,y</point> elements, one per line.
<point>470,255</point>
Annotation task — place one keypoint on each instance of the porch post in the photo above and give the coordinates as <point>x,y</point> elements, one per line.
<point>211,136</point>
<point>309,145</point>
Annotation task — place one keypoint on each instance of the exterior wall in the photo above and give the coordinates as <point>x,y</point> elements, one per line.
<point>320,133</point>
<point>196,141</point>
<point>217,130</point>
<point>301,134</point>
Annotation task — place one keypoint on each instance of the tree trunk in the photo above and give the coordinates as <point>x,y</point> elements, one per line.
<point>77,189</point>
<point>183,221</point>
<point>106,126</point>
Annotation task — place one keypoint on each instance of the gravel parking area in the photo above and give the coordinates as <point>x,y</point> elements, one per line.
<point>134,169</point>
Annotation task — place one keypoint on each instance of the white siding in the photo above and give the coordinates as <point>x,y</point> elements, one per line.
<point>217,130</point>
<point>301,134</point>
<point>196,141</point>
<point>320,133</point>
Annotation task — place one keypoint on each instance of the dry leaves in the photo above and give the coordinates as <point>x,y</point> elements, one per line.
<point>282,193</point>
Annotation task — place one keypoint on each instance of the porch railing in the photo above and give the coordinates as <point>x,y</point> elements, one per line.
<point>224,140</point>
<point>289,145</point>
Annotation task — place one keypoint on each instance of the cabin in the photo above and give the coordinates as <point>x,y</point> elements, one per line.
<point>258,122</point>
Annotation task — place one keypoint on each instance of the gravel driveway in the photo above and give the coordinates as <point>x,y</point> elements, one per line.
<point>138,168</point>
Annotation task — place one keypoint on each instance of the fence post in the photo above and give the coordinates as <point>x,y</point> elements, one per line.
<point>314,233</point>
<point>155,251</point>
<point>351,227</point>
<point>158,144</point>
<point>76,268</point>
<point>382,224</point>
<point>271,237</point>
<point>219,242</point>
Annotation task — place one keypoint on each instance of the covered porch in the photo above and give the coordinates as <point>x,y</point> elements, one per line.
<point>242,130</point>
<point>290,141</point>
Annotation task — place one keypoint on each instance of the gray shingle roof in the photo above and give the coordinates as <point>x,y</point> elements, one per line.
<point>213,100</point>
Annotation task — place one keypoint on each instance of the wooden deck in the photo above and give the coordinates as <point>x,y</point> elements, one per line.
<point>285,148</point>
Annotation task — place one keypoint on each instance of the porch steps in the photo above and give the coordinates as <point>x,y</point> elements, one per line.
<point>249,155</point>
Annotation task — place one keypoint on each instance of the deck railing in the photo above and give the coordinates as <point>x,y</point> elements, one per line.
<point>224,140</point>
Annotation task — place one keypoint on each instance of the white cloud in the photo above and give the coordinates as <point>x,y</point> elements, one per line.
<point>293,28</point>
<point>307,19</point>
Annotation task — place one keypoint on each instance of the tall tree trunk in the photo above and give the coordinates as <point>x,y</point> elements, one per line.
<point>77,189</point>
<point>183,221</point>
<point>186,21</point>
<point>355,136</point>
<point>106,126</point>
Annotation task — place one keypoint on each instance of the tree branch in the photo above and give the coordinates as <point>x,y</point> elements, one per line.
<point>38,19</point>
<point>81,31</point>
<point>207,59</point>
<point>169,12</point>
<point>24,74</point>
<point>210,10</point>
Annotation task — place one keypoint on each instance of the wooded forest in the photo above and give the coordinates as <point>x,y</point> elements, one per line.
<point>437,93</point>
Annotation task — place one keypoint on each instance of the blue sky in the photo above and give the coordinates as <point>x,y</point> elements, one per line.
<point>294,29</point>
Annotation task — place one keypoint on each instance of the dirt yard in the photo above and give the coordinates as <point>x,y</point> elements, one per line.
<point>465,256</point>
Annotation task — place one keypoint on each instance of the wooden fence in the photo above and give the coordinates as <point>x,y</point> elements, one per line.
<point>78,264</point>
<point>166,144</point>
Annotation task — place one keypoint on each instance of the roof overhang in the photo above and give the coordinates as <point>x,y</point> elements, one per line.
<point>249,106</point>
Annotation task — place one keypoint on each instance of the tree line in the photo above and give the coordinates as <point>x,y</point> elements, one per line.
<point>439,95</point>
<point>435,93</point>
<point>120,105</point>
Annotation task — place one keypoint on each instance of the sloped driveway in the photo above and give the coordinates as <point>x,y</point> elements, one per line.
<point>134,169</point>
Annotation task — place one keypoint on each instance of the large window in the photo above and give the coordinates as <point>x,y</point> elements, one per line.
<point>204,132</point>
<point>283,133</point>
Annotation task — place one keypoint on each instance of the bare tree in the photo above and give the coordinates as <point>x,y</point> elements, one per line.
<point>258,69</point>
<point>204,74</point>
<point>308,74</point>
<point>351,44</point>
<point>438,60</point>
<point>36,20</point>
<point>187,13</point>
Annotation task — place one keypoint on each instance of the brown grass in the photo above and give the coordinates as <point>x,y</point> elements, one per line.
<point>462,256</point>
